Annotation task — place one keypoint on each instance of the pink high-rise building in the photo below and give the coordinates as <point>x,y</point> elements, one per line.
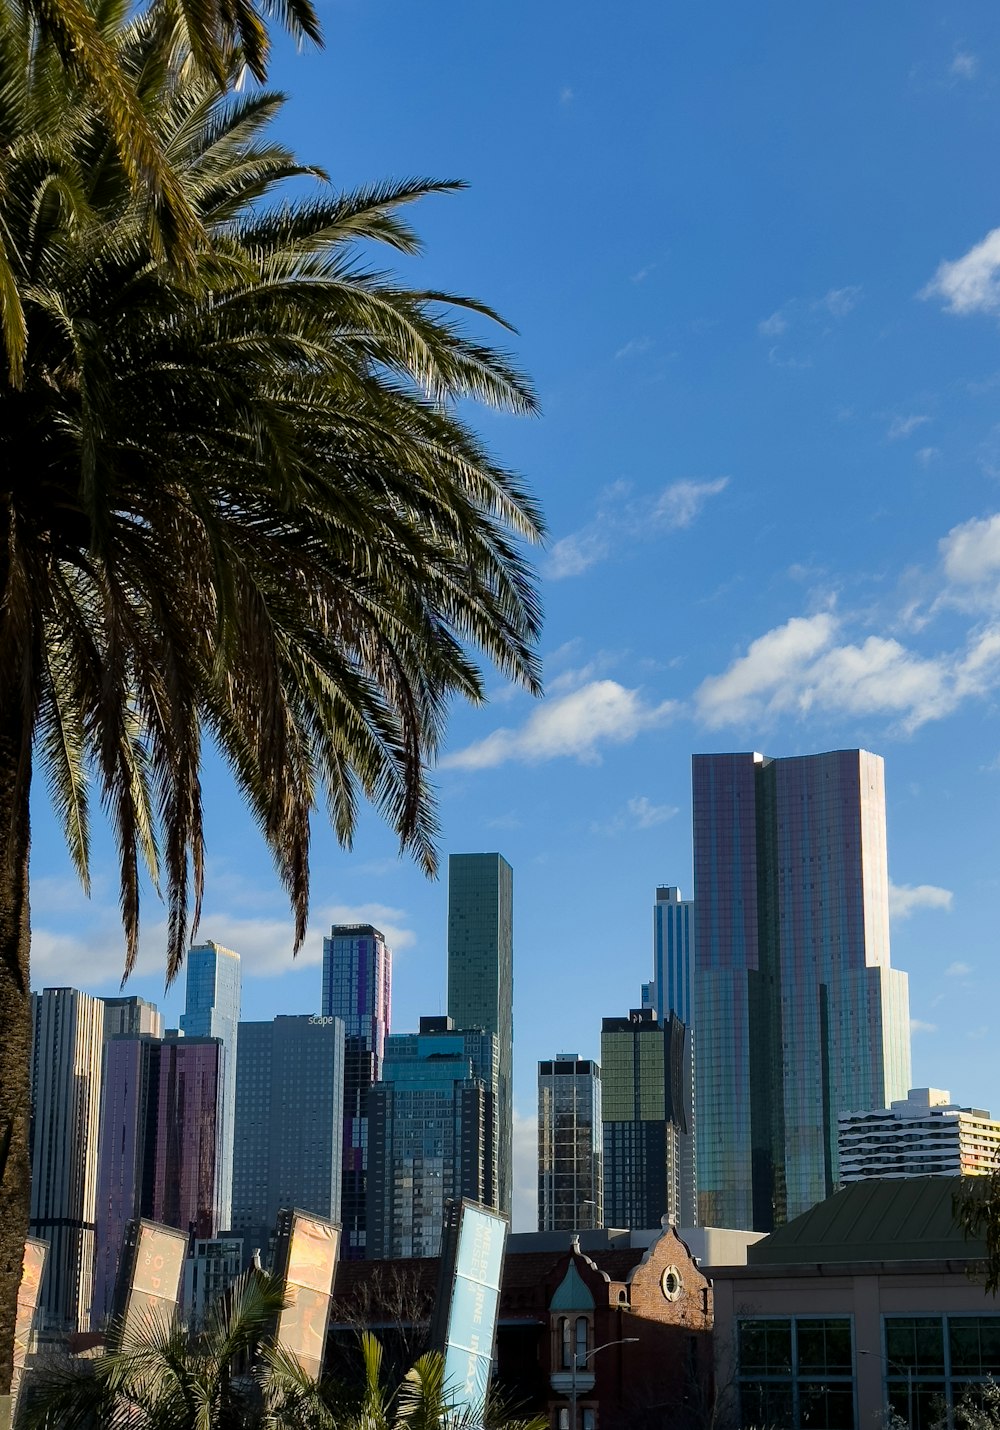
<point>185,1191</point>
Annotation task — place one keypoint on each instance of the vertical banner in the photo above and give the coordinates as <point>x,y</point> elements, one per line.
<point>472,1259</point>
<point>32,1268</point>
<point>149,1276</point>
<point>307,1251</point>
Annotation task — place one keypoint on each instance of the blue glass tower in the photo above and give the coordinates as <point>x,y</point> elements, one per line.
<point>670,996</point>
<point>212,1010</point>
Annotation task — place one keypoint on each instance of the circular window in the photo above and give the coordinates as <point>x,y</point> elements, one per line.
<point>671,1284</point>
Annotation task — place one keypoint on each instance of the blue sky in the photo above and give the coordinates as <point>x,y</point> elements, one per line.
<point>753,254</point>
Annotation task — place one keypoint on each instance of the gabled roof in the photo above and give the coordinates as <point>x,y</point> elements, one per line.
<point>897,1219</point>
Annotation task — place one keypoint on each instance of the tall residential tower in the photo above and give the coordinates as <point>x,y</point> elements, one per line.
<point>212,1010</point>
<point>357,989</point>
<point>481,980</point>
<point>799,1016</point>
<point>671,997</point>
<point>570,1151</point>
<point>66,1098</point>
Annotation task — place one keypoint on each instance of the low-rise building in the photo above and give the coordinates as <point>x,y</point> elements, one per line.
<point>924,1134</point>
<point>863,1311</point>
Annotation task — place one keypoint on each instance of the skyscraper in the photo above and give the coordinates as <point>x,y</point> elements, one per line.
<point>126,1157</point>
<point>357,988</point>
<point>68,1039</point>
<point>212,1010</point>
<point>633,1095</point>
<point>188,1115</point>
<point>671,997</point>
<point>131,1017</point>
<point>481,979</point>
<point>289,1122</point>
<point>432,1135</point>
<point>799,1016</point>
<point>570,1151</point>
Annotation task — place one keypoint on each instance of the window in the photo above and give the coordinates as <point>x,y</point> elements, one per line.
<point>796,1372</point>
<point>582,1332</point>
<point>566,1342</point>
<point>930,1359</point>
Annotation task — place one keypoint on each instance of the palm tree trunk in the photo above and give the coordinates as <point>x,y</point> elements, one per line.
<point>15,1018</point>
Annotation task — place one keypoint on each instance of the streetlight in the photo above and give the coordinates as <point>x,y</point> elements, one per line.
<point>625,1341</point>
<point>909,1381</point>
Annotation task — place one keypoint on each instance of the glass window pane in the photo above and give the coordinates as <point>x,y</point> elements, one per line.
<point>769,1405</point>
<point>920,1406</point>
<point>765,1347</point>
<point>826,1407</point>
<point>914,1341</point>
<point>824,1346</point>
<point>975,1345</point>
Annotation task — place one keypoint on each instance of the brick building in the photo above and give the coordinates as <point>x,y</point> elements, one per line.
<point>622,1330</point>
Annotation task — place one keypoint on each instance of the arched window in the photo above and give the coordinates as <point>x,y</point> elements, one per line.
<point>566,1342</point>
<point>582,1333</point>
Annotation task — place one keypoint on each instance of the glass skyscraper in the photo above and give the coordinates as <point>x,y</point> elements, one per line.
<point>188,1120</point>
<point>432,1135</point>
<point>570,1148</point>
<point>798,1014</point>
<point>671,997</point>
<point>289,1123</point>
<point>68,1039</point>
<point>357,989</point>
<point>481,979</point>
<point>635,1126</point>
<point>212,1010</point>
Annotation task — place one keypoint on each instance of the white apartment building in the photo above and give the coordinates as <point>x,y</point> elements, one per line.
<point>923,1134</point>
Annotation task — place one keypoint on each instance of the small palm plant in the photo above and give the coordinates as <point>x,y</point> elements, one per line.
<point>232,1376</point>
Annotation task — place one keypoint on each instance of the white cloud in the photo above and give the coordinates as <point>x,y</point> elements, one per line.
<point>572,555</point>
<point>647,815</point>
<point>971,551</point>
<point>798,668</point>
<point>774,326</point>
<point>970,284</point>
<point>906,426</point>
<point>565,95</point>
<point>770,661</point>
<point>622,517</point>
<point>917,1025</point>
<point>643,273</point>
<point>573,725</point>
<point>679,504</point>
<point>94,953</point>
<point>838,302</point>
<point>634,347</point>
<point>926,455</point>
<point>906,899</point>
<point>958,970</point>
<point>964,65</point>
<point>639,813</point>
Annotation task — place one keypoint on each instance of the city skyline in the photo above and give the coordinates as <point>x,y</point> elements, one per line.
<point>768,459</point>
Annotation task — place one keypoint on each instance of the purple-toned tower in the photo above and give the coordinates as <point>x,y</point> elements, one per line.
<point>798,1014</point>
<point>185,1190</point>
<point>126,1156</point>
<point>357,987</point>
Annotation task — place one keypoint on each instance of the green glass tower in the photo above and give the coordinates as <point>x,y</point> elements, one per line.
<point>481,979</point>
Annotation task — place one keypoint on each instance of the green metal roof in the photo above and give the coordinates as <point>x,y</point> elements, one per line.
<point>901,1219</point>
<point>572,1294</point>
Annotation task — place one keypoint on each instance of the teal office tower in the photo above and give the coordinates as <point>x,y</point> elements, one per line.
<point>481,979</point>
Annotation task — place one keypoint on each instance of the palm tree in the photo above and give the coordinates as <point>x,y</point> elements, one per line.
<point>422,1401</point>
<point>160,1378</point>
<point>238,499</point>
<point>233,1377</point>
